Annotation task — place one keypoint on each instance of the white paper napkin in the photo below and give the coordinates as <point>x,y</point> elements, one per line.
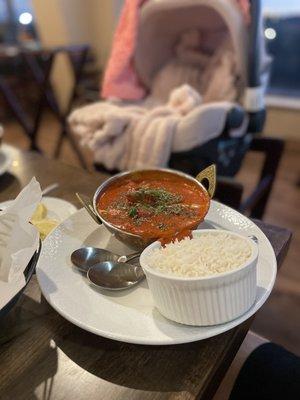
<point>18,240</point>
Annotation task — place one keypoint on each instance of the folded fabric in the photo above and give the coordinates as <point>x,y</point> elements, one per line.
<point>151,139</point>
<point>18,240</point>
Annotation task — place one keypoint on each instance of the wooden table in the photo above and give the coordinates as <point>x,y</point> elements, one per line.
<point>43,356</point>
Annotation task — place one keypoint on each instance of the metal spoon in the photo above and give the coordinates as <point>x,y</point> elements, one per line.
<point>253,237</point>
<point>86,257</point>
<point>112,275</point>
<point>49,188</point>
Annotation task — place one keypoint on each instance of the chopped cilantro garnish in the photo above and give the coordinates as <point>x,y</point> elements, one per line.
<point>132,212</point>
<point>143,203</point>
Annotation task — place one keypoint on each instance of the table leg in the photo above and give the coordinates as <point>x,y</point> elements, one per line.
<point>42,78</point>
<point>15,107</point>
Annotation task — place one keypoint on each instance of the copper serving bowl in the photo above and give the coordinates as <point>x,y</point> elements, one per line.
<point>207,176</point>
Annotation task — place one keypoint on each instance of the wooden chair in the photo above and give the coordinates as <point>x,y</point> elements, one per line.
<point>40,64</point>
<point>229,191</point>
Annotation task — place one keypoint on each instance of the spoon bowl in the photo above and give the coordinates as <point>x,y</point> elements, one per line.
<point>113,275</point>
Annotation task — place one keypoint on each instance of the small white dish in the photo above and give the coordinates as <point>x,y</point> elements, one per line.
<point>5,159</point>
<point>208,300</point>
<point>57,208</point>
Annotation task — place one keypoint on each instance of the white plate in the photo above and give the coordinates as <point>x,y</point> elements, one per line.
<point>5,159</point>
<point>57,208</point>
<point>130,315</point>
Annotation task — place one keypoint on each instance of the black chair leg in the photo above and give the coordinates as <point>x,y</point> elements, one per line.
<point>273,150</point>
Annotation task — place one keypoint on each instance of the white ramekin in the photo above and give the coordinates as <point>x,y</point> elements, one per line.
<point>209,300</point>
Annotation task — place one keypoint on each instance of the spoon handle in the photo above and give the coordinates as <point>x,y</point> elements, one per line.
<point>86,202</point>
<point>129,257</point>
<point>49,188</point>
<point>132,256</point>
<point>253,237</point>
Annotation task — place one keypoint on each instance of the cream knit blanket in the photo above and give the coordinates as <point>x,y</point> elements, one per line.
<point>132,137</point>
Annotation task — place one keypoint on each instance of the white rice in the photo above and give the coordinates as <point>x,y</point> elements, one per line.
<point>203,255</point>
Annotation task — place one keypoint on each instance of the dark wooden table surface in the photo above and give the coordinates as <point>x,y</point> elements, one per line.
<point>43,356</point>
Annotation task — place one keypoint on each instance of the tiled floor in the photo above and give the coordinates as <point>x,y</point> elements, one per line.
<point>279,319</point>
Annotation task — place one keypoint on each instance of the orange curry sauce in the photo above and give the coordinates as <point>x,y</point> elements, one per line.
<point>154,204</point>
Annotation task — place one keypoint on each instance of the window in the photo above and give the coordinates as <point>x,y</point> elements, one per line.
<point>282,33</point>
<point>16,21</point>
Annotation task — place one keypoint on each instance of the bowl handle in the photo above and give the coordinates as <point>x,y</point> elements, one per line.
<point>87,204</point>
<point>208,175</point>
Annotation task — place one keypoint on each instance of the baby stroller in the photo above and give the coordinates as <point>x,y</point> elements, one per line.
<point>161,23</point>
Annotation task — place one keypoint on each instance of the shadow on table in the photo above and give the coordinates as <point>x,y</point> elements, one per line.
<point>149,368</point>
<point>22,323</point>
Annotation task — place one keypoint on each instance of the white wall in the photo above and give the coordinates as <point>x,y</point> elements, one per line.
<point>101,17</point>
<point>53,31</point>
